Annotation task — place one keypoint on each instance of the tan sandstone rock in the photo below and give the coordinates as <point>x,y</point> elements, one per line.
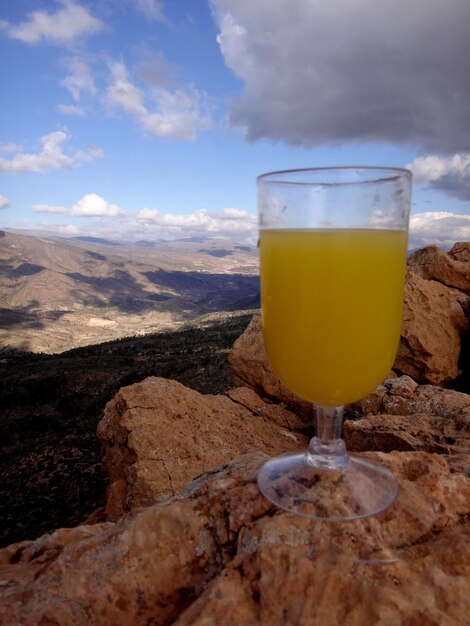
<point>159,435</point>
<point>433,263</point>
<point>419,431</point>
<point>402,415</point>
<point>460,251</point>
<point>433,324</point>
<point>219,555</point>
<point>403,396</point>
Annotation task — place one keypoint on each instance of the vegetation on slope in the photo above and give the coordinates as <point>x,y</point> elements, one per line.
<point>50,461</point>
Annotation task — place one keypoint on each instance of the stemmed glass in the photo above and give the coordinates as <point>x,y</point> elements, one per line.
<point>333,246</point>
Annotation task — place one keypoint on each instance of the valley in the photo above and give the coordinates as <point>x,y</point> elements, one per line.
<point>57,294</point>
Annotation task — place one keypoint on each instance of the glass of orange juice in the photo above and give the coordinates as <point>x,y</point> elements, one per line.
<point>333,248</point>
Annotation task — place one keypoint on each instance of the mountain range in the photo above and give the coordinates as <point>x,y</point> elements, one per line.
<point>60,293</point>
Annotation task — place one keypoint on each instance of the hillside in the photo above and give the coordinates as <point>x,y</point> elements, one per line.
<point>51,405</point>
<point>57,294</point>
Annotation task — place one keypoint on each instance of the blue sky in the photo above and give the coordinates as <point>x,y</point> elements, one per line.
<point>149,119</point>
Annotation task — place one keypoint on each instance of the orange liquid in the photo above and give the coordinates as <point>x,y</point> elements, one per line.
<point>331,308</point>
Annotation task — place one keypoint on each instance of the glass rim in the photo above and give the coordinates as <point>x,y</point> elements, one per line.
<point>281,176</point>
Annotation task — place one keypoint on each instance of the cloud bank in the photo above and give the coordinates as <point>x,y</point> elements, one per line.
<point>4,202</point>
<point>230,223</point>
<point>319,72</point>
<point>441,228</point>
<point>151,223</point>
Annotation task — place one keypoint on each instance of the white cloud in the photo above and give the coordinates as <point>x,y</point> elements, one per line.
<point>179,114</point>
<point>80,79</point>
<point>148,215</point>
<point>320,72</point>
<point>432,167</point>
<point>4,202</point>
<point>64,26</point>
<point>438,227</point>
<point>49,158</point>
<point>122,93</point>
<point>93,205</point>
<point>70,109</point>
<point>152,9</point>
<point>450,174</point>
<point>232,214</point>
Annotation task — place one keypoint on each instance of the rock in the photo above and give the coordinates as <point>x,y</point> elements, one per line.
<point>403,396</point>
<point>419,431</point>
<point>433,323</point>
<point>401,415</point>
<point>159,435</point>
<point>460,251</point>
<point>218,554</point>
<point>452,270</point>
<point>276,413</point>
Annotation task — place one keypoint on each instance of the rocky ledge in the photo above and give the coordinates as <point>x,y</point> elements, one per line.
<point>218,554</point>
<point>186,538</point>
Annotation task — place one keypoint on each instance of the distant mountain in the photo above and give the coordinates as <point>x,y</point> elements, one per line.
<point>63,293</point>
<point>105,242</point>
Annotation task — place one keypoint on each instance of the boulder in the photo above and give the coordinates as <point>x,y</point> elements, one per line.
<point>403,396</point>
<point>433,324</point>
<point>402,415</point>
<point>460,251</point>
<point>158,435</point>
<point>419,431</point>
<point>452,270</point>
<point>219,554</point>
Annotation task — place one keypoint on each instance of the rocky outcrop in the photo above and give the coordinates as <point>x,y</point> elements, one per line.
<point>218,554</point>
<point>159,435</point>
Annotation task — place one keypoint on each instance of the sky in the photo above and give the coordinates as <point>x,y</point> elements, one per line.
<point>151,119</point>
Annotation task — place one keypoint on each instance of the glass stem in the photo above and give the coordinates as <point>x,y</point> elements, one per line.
<point>327,449</point>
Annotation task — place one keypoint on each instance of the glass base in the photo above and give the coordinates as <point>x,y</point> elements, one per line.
<point>325,488</point>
